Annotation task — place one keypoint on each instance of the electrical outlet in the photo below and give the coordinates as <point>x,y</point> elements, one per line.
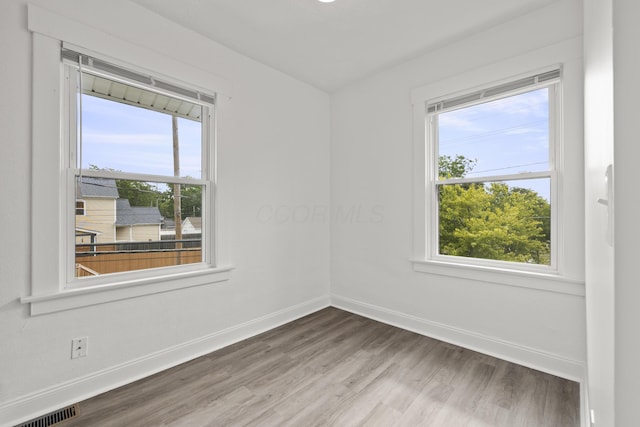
<point>79,347</point>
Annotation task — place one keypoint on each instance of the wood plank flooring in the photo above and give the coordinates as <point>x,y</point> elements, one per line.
<point>334,368</point>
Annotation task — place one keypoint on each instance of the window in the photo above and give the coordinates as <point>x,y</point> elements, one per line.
<point>80,207</point>
<point>139,166</point>
<point>62,157</point>
<point>492,173</point>
<point>486,183</point>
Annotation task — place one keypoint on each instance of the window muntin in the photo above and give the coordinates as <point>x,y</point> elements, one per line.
<point>141,162</point>
<point>494,179</point>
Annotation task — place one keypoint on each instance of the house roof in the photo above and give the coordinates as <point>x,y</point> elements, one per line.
<point>135,215</point>
<point>168,223</point>
<point>97,187</point>
<point>196,221</point>
<point>87,232</point>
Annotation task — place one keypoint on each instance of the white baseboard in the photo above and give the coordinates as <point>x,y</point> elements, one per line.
<point>546,362</point>
<point>44,401</point>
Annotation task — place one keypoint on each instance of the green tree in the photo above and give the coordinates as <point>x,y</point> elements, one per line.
<point>491,221</point>
<point>191,197</point>
<point>139,193</point>
<point>457,167</point>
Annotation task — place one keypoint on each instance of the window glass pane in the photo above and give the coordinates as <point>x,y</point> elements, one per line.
<point>134,225</point>
<point>128,129</point>
<point>79,207</point>
<point>501,137</point>
<point>507,221</point>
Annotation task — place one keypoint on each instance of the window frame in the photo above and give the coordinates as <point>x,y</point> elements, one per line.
<point>83,208</point>
<point>433,181</point>
<point>51,201</point>
<point>567,276</point>
<point>71,159</point>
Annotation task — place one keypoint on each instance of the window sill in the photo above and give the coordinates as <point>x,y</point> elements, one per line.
<point>81,297</point>
<point>524,279</point>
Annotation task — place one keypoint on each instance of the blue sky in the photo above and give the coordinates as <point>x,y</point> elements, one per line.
<point>505,136</point>
<point>133,139</point>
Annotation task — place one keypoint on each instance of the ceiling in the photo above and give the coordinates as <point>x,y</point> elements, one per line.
<point>330,45</point>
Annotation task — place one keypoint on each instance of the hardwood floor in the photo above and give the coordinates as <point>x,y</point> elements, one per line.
<point>334,368</point>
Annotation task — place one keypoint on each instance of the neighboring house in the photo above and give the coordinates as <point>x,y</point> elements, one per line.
<point>102,217</point>
<point>96,210</point>
<point>192,225</point>
<point>191,228</point>
<point>137,224</point>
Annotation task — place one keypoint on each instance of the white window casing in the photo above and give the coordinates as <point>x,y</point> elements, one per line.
<point>516,75</point>
<point>53,204</point>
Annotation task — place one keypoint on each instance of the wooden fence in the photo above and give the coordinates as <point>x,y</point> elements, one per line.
<point>92,260</point>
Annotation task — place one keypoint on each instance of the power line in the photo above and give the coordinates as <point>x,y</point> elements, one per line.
<point>487,134</point>
<point>507,167</point>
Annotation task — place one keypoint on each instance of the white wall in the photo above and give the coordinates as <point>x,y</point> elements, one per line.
<point>277,156</point>
<point>598,64</point>
<point>626,66</point>
<point>371,160</point>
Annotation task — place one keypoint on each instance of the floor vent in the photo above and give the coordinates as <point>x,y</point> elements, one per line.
<point>53,418</point>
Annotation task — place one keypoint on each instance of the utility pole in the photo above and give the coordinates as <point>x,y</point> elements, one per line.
<point>177,200</point>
